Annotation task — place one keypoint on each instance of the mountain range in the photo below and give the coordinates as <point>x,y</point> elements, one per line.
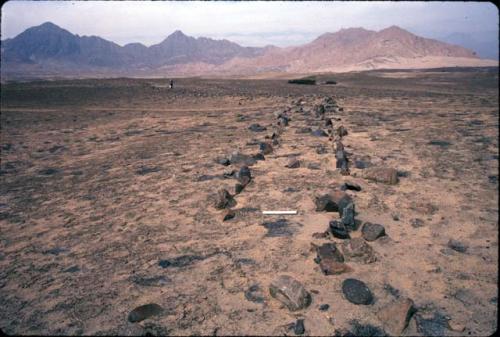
<point>49,50</point>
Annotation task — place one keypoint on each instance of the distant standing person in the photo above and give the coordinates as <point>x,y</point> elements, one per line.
<point>171,84</point>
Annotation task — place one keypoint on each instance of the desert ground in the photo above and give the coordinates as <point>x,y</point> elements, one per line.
<point>107,204</point>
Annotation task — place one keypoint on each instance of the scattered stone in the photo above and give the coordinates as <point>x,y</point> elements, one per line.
<point>244,176</point>
<point>360,164</point>
<point>440,143</point>
<point>356,292</point>
<point>457,246</point>
<point>258,156</point>
<point>330,259</point>
<point>372,232</point>
<point>72,269</point>
<point>324,307</point>
<point>265,148</point>
<point>278,228</point>
<point>153,281</point>
<point>257,127</point>
<point>313,166</point>
<point>254,294</point>
<point>328,122</point>
<point>320,235</point>
<point>319,110</point>
<point>382,175</point>
<point>321,149</point>
<point>332,202</point>
<point>223,199</point>
<point>283,121</point>
<point>299,328</point>
<point>55,251</point>
<point>48,171</point>
<point>467,297</point>
<point>338,230</point>
<point>415,223</point>
<point>238,158</point>
<point>144,311</point>
<point>348,185</point>
<point>396,315</point>
<point>238,188</point>
<point>304,130</point>
<point>228,215</point>
<point>206,177</point>
<point>358,250</point>
<point>341,131</point>
<point>229,173</point>
<point>331,267</point>
<point>347,214</point>
<point>290,292</point>
<point>293,163</point>
<point>433,326</point>
<point>319,133</point>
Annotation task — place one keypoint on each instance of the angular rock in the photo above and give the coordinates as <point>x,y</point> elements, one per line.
<point>331,267</point>
<point>372,232</point>
<point>396,315</point>
<point>257,127</point>
<point>229,173</point>
<point>329,251</point>
<point>347,215</point>
<point>341,131</point>
<point>144,311</point>
<point>457,246</point>
<point>338,230</point>
<point>290,292</point>
<point>348,185</point>
<point>356,292</point>
<point>237,158</point>
<point>319,110</point>
<point>259,156</point>
<point>324,307</point>
<point>254,294</point>
<point>265,148</point>
<point>321,149</point>
<point>384,175</point>
<point>299,327</point>
<point>223,161</point>
<point>238,188</point>
<point>332,202</point>
<point>244,176</point>
<point>223,199</point>
<point>293,163</point>
<point>328,122</point>
<point>283,121</point>
<point>228,215</point>
<point>358,250</point>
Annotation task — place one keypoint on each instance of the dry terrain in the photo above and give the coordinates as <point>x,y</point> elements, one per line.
<point>106,204</point>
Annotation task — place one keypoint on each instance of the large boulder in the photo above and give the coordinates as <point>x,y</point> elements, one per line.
<point>384,175</point>
<point>290,292</point>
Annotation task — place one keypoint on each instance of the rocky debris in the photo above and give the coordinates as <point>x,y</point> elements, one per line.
<point>357,250</point>
<point>228,215</point>
<point>223,161</point>
<point>332,202</point>
<point>265,148</point>
<point>255,294</point>
<point>314,166</point>
<point>391,290</point>
<point>290,292</point>
<point>180,261</point>
<point>151,281</point>
<point>144,311</point>
<point>384,175</point>
<point>319,133</point>
<point>338,230</point>
<point>223,199</point>
<point>299,327</point>
<point>416,223</point>
<point>372,232</point>
<point>237,158</point>
<point>455,325</point>
<point>321,149</point>
<point>283,121</point>
<point>457,246</point>
<point>258,156</point>
<point>320,235</point>
<point>332,267</point>
<point>304,130</point>
<point>228,173</point>
<point>347,215</point>
<point>238,188</point>
<point>257,127</point>
<point>396,315</point>
<point>49,171</point>
<point>357,292</point>
<point>348,185</point>
<point>293,163</point>
<point>361,164</point>
<point>319,110</point>
<point>435,325</point>
<point>341,131</point>
<point>278,228</point>
<point>330,259</point>
<point>341,159</point>
<point>243,175</point>
<point>328,122</point>
<point>324,307</point>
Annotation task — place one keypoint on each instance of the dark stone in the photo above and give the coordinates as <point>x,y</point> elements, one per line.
<point>338,230</point>
<point>299,328</point>
<point>259,156</point>
<point>229,174</point>
<point>313,166</point>
<point>55,251</point>
<point>324,307</point>
<point>304,130</point>
<point>290,292</point>
<point>347,214</point>
<point>350,186</point>
<point>329,251</point>
<point>283,121</point>
<point>367,330</point>
<point>144,311</point>
<point>228,215</point>
<point>341,131</point>
<point>153,281</point>
<point>223,199</point>
<point>360,164</point>
<point>372,232</point>
<point>180,261</point>
<point>415,223</point>
<point>319,133</point>
<point>293,163</point>
<point>433,326</point>
<point>238,188</point>
<point>334,202</point>
<point>265,148</point>
<point>257,128</point>
<point>244,176</point>
<point>328,122</point>
<point>320,235</point>
<point>457,246</point>
<point>223,161</point>
<point>278,228</point>
<point>72,269</point>
<point>440,143</point>
<point>254,294</point>
<point>356,292</point>
<point>330,259</point>
<point>48,171</point>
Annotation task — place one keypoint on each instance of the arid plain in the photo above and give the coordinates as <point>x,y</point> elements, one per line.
<point>106,204</point>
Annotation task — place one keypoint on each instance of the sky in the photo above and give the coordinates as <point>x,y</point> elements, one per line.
<point>249,23</point>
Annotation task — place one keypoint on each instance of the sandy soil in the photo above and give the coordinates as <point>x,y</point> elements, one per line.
<point>102,180</point>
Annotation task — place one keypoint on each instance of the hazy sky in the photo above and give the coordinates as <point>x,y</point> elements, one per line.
<point>248,23</point>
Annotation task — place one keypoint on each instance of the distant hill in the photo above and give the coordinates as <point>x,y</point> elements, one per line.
<point>51,50</point>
